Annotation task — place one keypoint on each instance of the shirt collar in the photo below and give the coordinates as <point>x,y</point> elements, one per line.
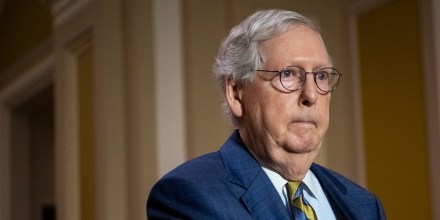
<point>279,182</point>
<point>310,181</point>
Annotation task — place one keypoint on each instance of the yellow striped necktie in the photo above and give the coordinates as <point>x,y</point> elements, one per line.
<point>300,208</point>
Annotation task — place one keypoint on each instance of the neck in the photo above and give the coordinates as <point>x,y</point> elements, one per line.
<point>291,166</point>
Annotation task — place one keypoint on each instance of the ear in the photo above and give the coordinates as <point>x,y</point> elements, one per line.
<point>233,97</point>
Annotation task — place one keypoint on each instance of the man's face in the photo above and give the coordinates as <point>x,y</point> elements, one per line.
<point>277,123</point>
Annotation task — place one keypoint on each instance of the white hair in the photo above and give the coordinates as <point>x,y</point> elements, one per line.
<point>238,55</point>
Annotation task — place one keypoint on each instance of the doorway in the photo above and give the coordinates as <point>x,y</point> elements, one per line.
<point>27,147</point>
<point>32,158</point>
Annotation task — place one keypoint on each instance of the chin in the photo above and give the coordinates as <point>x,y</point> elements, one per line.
<point>302,147</point>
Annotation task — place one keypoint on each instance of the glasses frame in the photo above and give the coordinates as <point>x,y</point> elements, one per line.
<point>314,73</point>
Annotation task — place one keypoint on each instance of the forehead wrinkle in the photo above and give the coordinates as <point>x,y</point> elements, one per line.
<point>268,46</point>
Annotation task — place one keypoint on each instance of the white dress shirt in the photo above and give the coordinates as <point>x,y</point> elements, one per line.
<point>313,193</point>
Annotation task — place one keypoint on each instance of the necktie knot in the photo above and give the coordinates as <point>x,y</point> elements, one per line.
<point>294,189</point>
<point>300,208</point>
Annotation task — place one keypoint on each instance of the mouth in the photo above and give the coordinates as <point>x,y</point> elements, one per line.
<point>305,123</point>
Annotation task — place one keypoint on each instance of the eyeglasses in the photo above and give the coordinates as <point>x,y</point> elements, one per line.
<point>293,78</point>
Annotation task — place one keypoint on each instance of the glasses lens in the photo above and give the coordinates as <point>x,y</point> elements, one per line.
<point>327,79</point>
<point>292,78</point>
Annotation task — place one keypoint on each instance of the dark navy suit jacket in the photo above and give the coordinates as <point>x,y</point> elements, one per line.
<point>230,184</point>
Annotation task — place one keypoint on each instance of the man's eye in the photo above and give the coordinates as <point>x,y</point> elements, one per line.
<point>291,73</point>
<point>286,73</point>
<point>322,75</point>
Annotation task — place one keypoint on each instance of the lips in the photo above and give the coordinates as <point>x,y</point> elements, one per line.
<point>305,122</point>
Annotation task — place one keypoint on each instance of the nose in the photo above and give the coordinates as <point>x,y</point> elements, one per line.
<point>309,92</point>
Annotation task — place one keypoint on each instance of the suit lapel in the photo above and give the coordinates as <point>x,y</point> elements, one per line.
<point>337,192</point>
<point>263,201</point>
<point>255,188</point>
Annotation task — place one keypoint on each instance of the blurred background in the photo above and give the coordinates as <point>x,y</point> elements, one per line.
<point>100,98</point>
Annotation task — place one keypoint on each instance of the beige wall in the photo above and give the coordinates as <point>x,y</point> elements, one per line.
<point>204,29</point>
<point>87,147</point>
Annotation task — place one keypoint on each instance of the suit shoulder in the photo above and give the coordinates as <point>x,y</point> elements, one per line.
<point>207,169</point>
<point>192,175</point>
<point>199,167</point>
<point>197,189</point>
<point>358,202</point>
<point>339,180</point>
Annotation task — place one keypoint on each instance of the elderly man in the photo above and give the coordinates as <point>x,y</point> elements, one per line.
<point>277,79</point>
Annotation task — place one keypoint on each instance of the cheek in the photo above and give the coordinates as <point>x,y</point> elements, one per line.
<point>281,107</point>
<point>277,111</point>
<point>268,111</point>
<point>251,103</point>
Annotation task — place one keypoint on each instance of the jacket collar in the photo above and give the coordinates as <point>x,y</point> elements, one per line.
<point>337,192</point>
<point>256,190</point>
